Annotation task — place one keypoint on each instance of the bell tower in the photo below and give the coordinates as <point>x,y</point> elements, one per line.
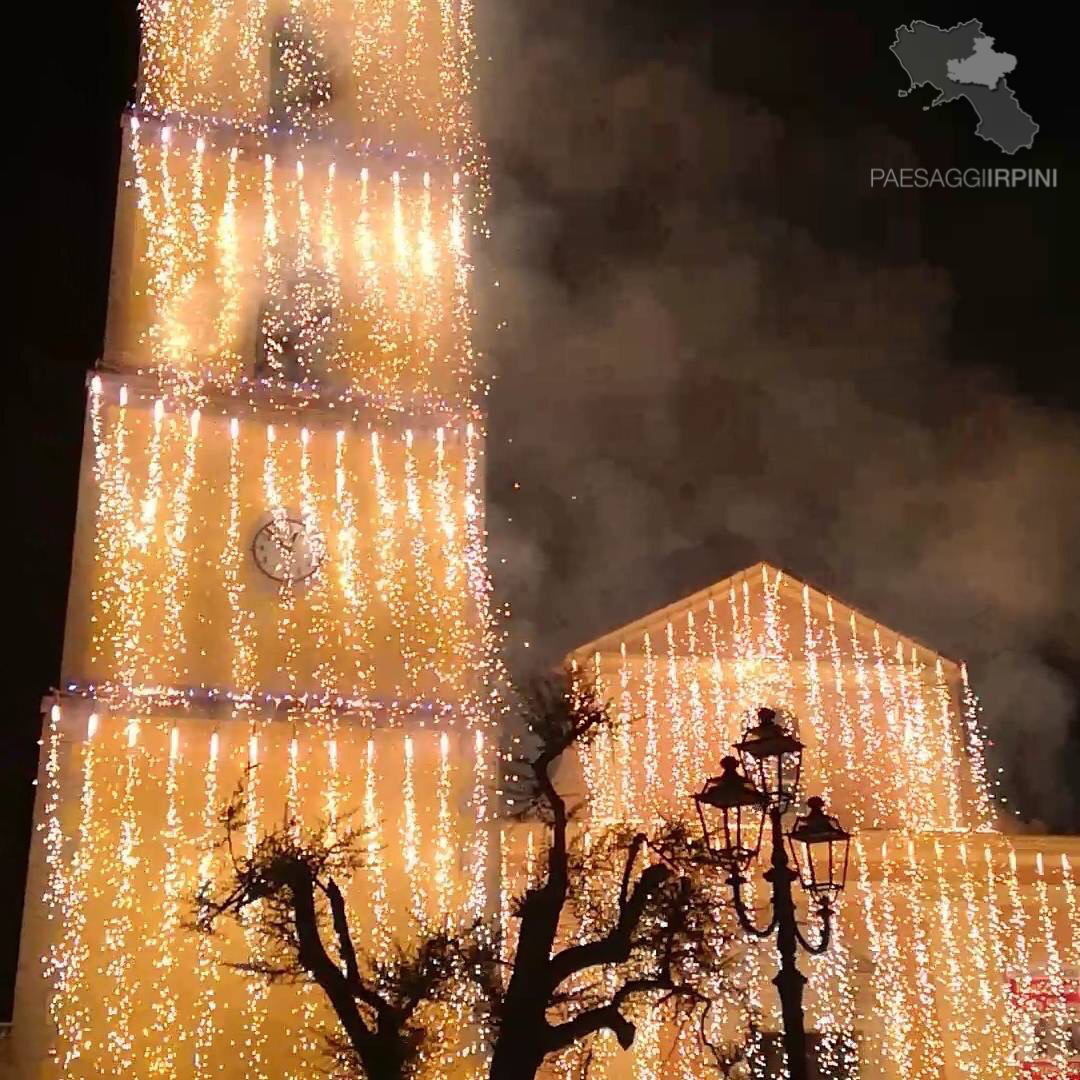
<point>279,576</point>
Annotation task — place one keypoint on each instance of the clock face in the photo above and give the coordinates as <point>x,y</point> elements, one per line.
<point>286,550</point>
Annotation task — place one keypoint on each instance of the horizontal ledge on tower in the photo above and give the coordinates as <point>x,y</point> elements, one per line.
<point>259,398</point>
<point>213,703</point>
<point>255,141</point>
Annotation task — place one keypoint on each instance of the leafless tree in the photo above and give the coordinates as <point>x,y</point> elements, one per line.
<point>654,937</point>
<point>620,921</point>
<point>283,893</point>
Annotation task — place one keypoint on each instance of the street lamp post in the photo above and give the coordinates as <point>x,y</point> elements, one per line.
<point>738,803</point>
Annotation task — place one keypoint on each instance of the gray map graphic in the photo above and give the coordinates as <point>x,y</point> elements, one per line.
<point>962,63</point>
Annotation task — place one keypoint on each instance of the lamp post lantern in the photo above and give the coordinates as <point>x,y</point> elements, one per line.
<point>738,805</point>
<point>772,758</point>
<point>819,848</point>
<point>739,810</point>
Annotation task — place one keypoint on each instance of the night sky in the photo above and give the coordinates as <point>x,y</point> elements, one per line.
<point>720,345</point>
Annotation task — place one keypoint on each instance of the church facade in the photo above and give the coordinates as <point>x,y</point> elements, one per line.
<point>956,951</point>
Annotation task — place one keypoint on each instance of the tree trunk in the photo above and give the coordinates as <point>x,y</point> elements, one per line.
<point>383,1063</point>
<point>382,1052</point>
<point>515,1056</point>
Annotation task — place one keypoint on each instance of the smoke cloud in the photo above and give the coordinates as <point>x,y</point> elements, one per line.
<point>691,377</point>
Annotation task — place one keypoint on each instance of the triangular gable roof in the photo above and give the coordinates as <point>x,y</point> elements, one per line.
<point>869,703</point>
<point>790,592</point>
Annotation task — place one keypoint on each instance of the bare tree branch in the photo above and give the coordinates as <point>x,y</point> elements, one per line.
<point>657,931</point>
<point>283,890</point>
<point>341,928</point>
<point>620,922</point>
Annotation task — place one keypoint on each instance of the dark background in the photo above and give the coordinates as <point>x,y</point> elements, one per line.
<point>721,345</point>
